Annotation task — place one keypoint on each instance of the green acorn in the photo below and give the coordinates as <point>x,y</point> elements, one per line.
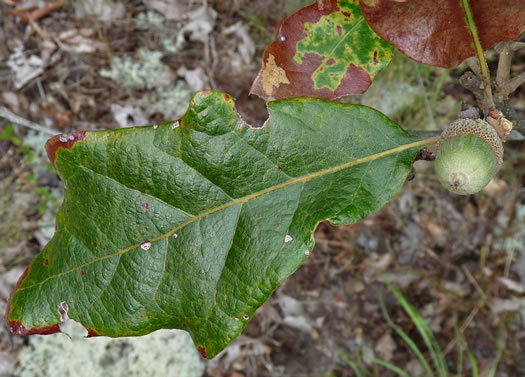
<point>469,154</point>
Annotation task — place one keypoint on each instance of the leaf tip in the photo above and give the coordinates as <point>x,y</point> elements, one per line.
<point>16,327</point>
<point>228,98</point>
<point>66,141</point>
<point>202,351</point>
<point>92,333</point>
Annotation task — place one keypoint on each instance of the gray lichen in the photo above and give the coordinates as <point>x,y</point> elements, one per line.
<point>141,73</point>
<point>150,18</point>
<point>103,10</point>
<point>148,73</point>
<point>171,101</point>
<point>162,353</point>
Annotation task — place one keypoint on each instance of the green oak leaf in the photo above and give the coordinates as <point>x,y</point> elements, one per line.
<point>325,50</point>
<point>193,224</point>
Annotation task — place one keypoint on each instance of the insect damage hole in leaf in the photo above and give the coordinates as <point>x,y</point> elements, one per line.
<point>224,226</point>
<point>72,329</point>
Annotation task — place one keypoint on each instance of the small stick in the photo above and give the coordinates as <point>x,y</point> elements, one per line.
<point>473,313</point>
<point>473,64</point>
<point>508,263</point>
<point>474,283</point>
<point>512,45</point>
<point>424,134</point>
<point>12,117</point>
<point>464,326</point>
<point>516,82</point>
<point>504,63</point>
<point>472,83</point>
<point>504,84</point>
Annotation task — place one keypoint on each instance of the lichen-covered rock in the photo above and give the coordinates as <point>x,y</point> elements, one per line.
<point>147,71</point>
<point>162,353</point>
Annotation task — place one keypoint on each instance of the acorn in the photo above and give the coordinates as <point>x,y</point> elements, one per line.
<point>469,154</point>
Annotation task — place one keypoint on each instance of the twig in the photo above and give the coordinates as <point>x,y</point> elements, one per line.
<point>465,325</point>
<point>12,117</point>
<point>516,82</point>
<point>472,83</point>
<point>474,283</point>
<point>508,262</point>
<point>503,75</point>
<point>424,134</point>
<point>488,102</point>
<point>504,84</point>
<point>512,45</point>
<point>481,303</point>
<point>473,64</point>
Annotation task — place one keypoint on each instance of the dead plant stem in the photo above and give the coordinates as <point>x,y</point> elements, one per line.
<point>505,85</point>
<point>12,117</point>
<point>516,82</point>
<point>503,74</point>
<point>481,303</point>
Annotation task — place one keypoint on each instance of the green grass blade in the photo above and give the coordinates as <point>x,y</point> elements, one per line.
<point>424,330</point>
<point>461,349</point>
<point>499,352</point>
<point>405,338</point>
<point>391,367</point>
<point>460,362</point>
<point>473,363</point>
<point>352,364</point>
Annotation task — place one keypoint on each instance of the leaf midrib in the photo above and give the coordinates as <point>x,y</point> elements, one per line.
<point>343,38</point>
<point>302,179</point>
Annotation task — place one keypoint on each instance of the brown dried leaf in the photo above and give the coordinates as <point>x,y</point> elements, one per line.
<point>434,32</point>
<point>325,50</point>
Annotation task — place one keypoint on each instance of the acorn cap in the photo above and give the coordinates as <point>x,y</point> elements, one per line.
<point>479,128</point>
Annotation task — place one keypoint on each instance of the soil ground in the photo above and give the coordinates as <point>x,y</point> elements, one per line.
<point>460,261</point>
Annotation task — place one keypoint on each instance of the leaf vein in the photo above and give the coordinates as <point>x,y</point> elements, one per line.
<point>179,158</point>
<point>304,178</point>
